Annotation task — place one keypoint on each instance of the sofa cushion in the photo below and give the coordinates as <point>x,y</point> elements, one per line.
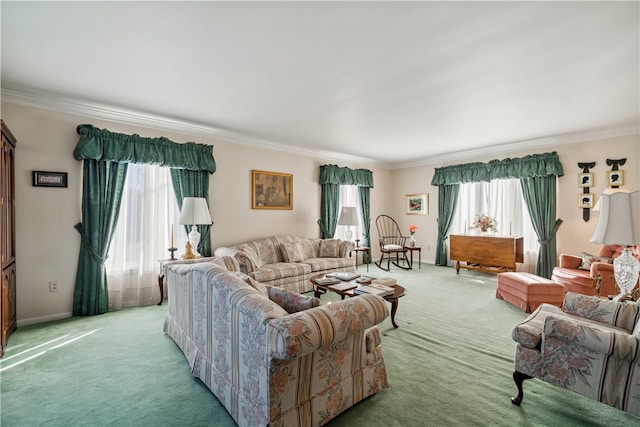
<point>322,264</point>
<point>270,272</point>
<point>291,251</point>
<point>247,252</point>
<point>588,259</point>
<point>329,248</point>
<point>309,247</point>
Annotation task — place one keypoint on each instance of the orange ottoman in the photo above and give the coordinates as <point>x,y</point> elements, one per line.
<point>527,291</point>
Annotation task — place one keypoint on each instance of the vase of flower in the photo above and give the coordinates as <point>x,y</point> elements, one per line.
<point>412,230</point>
<point>484,224</point>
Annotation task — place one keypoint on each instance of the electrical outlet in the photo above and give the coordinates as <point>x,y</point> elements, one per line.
<point>53,287</point>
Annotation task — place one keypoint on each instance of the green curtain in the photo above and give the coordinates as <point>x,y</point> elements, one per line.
<point>106,156</point>
<point>540,195</point>
<point>188,183</point>
<point>447,203</point>
<point>532,167</point>
<point>331,178</point>
<point>329,197</point>
<point>102,187</point>
<point>365,204</point>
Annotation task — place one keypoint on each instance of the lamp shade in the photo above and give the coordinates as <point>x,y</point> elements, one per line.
<point>194,211</point>
<point>348,216</point>
<point>619,220</point>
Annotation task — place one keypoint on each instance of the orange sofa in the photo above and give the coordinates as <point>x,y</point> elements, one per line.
<point>580,274</point>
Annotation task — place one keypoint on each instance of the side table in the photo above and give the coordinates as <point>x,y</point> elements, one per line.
<point>411,249</point>
<point>365,251</point>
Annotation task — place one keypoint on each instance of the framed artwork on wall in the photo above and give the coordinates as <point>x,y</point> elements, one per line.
<point>49,179</point>
<point>271,190</point>
<point>585,200</point>
<point>585,179</point>
<point>615,178</point>
<point>417,204</point>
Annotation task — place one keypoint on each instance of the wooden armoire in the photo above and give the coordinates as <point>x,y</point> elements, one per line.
<point>7,236</point>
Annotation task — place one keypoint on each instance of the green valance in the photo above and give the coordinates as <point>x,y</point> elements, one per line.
<point>530,166</point>
<point>101,144</point>
<point>333,174</point>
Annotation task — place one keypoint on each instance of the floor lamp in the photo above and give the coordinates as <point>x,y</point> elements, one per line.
<point>349,217</point>
<point>194,212</point>
<point>619,224</point>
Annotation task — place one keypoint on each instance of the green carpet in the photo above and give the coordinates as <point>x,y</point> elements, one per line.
<point>449,364</point>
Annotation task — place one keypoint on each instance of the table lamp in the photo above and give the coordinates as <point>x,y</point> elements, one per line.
<point>619,224</point>
<point>349,217</point>
<point>194,212</point>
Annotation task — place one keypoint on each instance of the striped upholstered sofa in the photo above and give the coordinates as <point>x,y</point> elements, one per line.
<point>272,356</point>
<point>591,346</point>
<point>289,262</point>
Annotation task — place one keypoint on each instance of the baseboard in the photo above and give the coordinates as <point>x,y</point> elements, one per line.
<point>43,319</point>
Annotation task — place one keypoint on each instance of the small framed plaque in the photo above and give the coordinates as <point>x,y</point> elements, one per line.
<point>49,179</point>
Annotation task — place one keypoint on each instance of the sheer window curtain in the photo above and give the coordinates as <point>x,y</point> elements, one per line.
<point>349,196</point>
<point>142,237</point>
<point>503,200</point>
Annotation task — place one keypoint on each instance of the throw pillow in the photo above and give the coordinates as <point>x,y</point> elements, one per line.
<point>292,302</point>
<point>291,251</point>
<point>588,259</point>
<point>329,248</point>
<point>251,255</point>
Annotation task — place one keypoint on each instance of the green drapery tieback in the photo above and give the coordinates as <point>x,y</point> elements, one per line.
<point>524,167</point>
<point>86,242</point>
<point>552,233</point>
<point>102,144</point>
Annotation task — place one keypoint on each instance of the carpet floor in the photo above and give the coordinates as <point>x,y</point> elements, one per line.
<point>449,364</point>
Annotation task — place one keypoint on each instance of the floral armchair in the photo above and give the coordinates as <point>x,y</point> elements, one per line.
<point>589,274</point>
<point>591,347</point>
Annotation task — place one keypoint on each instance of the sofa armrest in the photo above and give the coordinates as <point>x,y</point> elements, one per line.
<point>603,268</point>
<point>602,340</point>
<point>307,331</point>
<point>291,301</point>
<point>570,261</point>
<point>346,247</point>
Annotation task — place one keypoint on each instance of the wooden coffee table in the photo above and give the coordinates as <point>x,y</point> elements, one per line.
<point>398,293</point>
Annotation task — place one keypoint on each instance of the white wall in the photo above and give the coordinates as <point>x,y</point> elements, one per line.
<point>48,245</point>
<point>574,234</point>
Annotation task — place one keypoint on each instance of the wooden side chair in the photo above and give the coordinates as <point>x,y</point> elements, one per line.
<point>392,243</point>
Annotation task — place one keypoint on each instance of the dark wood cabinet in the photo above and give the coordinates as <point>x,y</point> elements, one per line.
<point>7,236</point>
<point>488,253</point>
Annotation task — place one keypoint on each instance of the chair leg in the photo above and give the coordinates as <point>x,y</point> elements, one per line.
<point>519,378</point>
<point>379,263</point>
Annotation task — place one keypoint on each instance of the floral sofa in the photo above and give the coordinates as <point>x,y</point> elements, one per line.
<point>591,347</point>
<point>580,274</point>
<point>289,262</point>
<point>272,356</point>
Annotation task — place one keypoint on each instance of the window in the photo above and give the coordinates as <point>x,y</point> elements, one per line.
<point>349,196</point>
<point>503,200</point>
<point>142,236</point>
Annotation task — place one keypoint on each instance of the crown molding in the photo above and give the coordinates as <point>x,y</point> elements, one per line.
<point>48,101</point>
<point>534,144</point>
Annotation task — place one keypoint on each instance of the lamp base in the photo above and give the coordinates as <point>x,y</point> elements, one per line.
<point>625,271</point>
<point>194,239</point>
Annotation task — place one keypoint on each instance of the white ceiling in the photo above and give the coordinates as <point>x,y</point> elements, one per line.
<point>388,82</point>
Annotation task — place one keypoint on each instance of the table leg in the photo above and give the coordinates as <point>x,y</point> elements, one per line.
<point>161,285</point>
<point>394,308</point>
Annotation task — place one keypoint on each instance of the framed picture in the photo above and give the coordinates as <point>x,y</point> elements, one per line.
<point>585,200</point>
<point>615,178</point>
<point>417,204</point>
<point>585,180</point>
<point>271,190</point>
<point>49,179</point>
